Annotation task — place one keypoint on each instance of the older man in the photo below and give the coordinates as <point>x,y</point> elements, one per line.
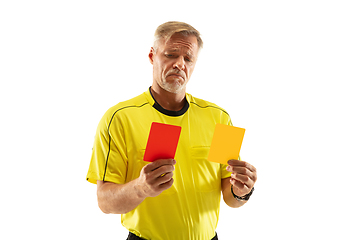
<point>167,199</point>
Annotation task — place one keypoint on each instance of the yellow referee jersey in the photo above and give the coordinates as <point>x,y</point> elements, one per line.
<point>190,208</point>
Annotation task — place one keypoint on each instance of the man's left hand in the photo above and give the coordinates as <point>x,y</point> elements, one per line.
<point>243,176</point>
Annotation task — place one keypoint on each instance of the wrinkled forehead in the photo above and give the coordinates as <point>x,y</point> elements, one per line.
<point>178,42</point>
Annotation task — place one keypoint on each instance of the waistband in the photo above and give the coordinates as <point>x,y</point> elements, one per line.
<point>134,237</point>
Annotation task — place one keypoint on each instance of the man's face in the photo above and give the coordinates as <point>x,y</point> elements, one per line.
<point>174,62</point>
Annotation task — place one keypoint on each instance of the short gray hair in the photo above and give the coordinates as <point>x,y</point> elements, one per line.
<point>167,30</point>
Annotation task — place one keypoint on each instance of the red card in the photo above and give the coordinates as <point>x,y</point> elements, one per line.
<point>162,142</point>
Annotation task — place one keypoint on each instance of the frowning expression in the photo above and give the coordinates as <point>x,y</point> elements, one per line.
<point>174,62</point>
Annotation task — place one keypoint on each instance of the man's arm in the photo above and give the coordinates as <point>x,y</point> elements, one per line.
<point>227,195</point>
<point>243,178</point>
<point>154,178</point>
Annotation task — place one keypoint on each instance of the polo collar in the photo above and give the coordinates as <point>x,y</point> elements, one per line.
<point>159,108</point>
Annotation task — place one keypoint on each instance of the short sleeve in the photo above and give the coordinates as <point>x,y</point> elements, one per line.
<point>224,172</point>
<point>108,159</point>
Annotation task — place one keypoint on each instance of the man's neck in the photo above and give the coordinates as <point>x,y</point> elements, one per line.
<point>167,100</point>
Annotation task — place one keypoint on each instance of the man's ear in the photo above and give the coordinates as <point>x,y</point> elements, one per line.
<point>151,55</point>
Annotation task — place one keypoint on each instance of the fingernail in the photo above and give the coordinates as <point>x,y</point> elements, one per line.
<point>228,168</point>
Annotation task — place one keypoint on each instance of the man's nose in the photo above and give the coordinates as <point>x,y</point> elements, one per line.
<point>180,63</point>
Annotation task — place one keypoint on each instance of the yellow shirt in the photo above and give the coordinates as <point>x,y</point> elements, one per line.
<point>190,208</point>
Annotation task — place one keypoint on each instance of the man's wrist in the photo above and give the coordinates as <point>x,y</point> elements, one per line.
<point>241,198</point>
<point>138,189</point>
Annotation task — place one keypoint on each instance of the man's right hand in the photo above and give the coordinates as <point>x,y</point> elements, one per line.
<point>156,177</point>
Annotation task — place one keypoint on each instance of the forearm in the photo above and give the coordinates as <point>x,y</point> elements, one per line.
<point>154,178</point>
<point>227,195</point>
<point>118,198</point>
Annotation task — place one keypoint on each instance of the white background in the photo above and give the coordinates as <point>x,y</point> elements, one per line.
<point>287,71</point>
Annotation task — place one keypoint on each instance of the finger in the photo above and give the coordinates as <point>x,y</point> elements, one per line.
<point>162,171</point>
<point>239,188</point>
<point>158,163</point>
<point>238,163</point>
<point>245,171</point>
<point>164,179</point>
<point>243,179</point>
<point>237,184</point>
<point>242,170</point>
<point>166,185</point>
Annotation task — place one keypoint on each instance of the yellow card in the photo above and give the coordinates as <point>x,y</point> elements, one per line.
<point>226,143</point>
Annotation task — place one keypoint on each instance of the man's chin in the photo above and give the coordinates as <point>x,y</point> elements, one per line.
<point>173,88</point>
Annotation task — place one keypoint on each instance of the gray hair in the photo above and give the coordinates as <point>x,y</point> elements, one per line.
<point>168,29</point>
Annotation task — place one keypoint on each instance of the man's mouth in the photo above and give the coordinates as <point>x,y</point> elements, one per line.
<point>176,75</point>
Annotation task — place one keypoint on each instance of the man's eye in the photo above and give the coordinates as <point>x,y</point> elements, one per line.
<point>169,55</point>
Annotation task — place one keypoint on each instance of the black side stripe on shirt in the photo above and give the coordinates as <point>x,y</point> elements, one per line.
<point>107,157</point>
<point>211,106</point>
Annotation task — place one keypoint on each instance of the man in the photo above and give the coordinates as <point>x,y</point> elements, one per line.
<point>167,199</point>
